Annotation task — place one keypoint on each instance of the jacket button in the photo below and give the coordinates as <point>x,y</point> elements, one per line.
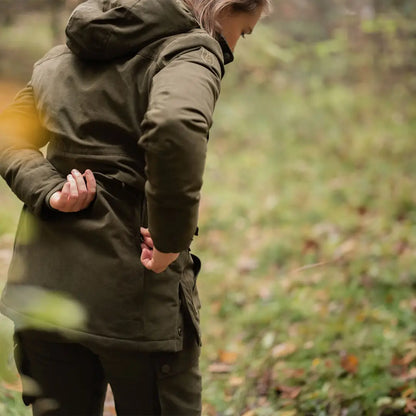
<point>180,331</point>
<point>165,368</point>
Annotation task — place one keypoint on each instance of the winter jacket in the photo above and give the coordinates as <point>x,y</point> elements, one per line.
<point>130,97</point>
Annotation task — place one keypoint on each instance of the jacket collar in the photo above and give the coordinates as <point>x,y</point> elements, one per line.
<point>227,52</point>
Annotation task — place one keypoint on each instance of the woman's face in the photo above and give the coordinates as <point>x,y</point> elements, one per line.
<point>237,24</point>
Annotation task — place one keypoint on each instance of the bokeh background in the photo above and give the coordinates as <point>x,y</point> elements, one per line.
<point>308,215</point>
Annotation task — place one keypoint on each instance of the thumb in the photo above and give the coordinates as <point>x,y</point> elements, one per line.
<point>54,199</point>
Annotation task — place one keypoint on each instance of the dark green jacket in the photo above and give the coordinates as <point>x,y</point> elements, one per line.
<point>130,97</point>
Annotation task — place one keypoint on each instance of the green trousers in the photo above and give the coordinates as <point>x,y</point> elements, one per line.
<point>71,379</point>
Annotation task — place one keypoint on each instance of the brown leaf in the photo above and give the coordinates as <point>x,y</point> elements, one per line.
<point>345,248</point>
<point>410,375</point>
<point>220,368</point>
<point>410,406</point>
<point>283,350</point>
<point>362,210</point>
<point>227,357</point>
<point>409,357</point>
<point>310,245</point>
<point>408,392</point>
<point>236,381</point>
<point>397,367</point>
<point>288,392</point>
<point>350,363</point>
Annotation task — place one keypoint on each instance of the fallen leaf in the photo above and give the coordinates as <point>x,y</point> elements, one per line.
<point>408,392</point>
<point>410,375</point>
<point>410,406</point>
<point>345,248</point>
<point>236,381</point>
<point>283,350</point>
<point>350,363</point>
<point>288,392</point>
<point>220,368</point>
<point>310,245</point>
<point>227,357</point>
<point>409,357</point>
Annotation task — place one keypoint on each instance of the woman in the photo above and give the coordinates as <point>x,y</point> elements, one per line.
<point>111,211</point>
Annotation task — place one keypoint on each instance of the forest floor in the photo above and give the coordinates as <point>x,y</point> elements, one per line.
<point>308,243</point>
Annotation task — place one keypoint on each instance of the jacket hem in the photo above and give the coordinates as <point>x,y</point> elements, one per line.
<point>24,321</point>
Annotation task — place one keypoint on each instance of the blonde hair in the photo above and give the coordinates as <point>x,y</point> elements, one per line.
<point>206,11</point>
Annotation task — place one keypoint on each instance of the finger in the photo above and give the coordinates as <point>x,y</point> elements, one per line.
<point>81,186</point>
<point>91,185</point>
<point>80,201</point>
<point>73,190</point>
<point>144,232</point>
<point>146,251</point>
<point>73,193</point>
<point>148,241</point>
<point>146,247</point>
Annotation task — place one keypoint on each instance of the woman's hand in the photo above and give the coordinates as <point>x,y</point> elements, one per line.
<point>76,194</point>
<point>151,257</point>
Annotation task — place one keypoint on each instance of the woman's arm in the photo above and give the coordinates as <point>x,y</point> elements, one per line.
<point>30,176</point>
<point>175,129</point>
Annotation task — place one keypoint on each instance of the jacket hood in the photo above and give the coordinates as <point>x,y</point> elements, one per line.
<point>103,30</point>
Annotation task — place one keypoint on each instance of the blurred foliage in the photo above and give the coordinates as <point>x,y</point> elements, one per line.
<point>325,42</point>
<point>308,213</point>
<point>308,231</point>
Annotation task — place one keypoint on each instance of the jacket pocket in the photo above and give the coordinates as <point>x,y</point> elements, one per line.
<point>161,305</point>
<point>189,292</point>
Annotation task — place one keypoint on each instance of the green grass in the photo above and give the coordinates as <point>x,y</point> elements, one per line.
<point>308,231</point>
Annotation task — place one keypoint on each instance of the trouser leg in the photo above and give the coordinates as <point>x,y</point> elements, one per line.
<point>74,378</point>
<point>157,384</point>
<point>132,378</point>
<point>69,377</point>
<point>179,379</point>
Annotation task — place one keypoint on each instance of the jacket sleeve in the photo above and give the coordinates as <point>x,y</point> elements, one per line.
<point>174,137</point>
<point>29,175</point>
